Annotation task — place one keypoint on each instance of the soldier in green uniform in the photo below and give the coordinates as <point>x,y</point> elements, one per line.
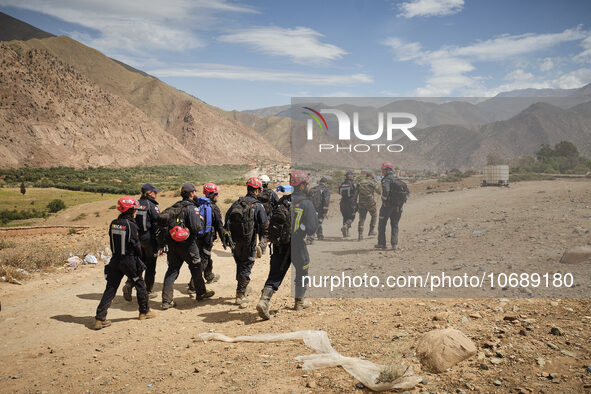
<point>367,186</point>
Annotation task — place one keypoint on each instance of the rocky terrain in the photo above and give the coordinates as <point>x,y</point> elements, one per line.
<point>521,344</point>
<point>194,128</point>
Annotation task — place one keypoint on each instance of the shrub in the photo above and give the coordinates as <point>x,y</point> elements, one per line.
<point>79,217</point>
<point>56,206</point>
<point>228,201</point>
<point>4,244</point>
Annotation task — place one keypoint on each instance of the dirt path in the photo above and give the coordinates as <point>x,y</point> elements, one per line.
<point>46,343</point>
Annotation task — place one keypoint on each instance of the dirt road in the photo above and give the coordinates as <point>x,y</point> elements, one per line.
<point>47,344</point>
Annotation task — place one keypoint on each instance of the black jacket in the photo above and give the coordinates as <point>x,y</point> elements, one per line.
<point>147,219</point>
<point>123,236</point>
<point>304,220</point>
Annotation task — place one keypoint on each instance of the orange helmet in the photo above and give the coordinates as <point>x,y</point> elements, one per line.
<point>387,164</point>
<point>210,188</point>
<point>179,233</point>
<point>254,183</point>
<point>298,177</point>
<point>126,203</point>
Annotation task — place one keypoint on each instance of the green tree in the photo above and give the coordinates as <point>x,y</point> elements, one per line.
<point>566,149</point>
<point>56,206</point>
<point>23,190</point>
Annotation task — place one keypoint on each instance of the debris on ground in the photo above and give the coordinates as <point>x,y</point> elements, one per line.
<point>369,374</point>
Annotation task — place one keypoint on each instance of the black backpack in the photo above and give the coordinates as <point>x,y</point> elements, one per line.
<point>347,190</point>
<point>398,192</point>
<point>264,198</point>
<point>168,219</point>
<point>241,220</point>
<point>315,195</point>
<point>280,222</point>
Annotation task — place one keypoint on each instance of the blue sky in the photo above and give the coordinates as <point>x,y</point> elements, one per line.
<point>252,54</point>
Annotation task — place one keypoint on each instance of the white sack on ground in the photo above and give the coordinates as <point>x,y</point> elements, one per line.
<point>326,356</point>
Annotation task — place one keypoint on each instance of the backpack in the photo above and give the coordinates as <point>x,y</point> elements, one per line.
<point>264,198</point>
<point>366,190</point>
<point>280,222</point>
<point>315,195</point>
<point>347,190</point>
<point>398,192</point>
<point>241,220</point>
<point>169,218</point>
<point>206,213</point>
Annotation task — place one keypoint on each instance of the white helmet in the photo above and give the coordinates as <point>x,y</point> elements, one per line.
<point>265,179</point>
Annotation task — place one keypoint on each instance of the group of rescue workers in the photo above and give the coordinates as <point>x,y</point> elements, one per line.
<point>187,230</point>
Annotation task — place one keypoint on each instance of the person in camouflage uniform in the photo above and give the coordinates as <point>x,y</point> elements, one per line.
<point>367,186</point>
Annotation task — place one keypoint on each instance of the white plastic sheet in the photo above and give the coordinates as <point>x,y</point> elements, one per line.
<point>326,356</point>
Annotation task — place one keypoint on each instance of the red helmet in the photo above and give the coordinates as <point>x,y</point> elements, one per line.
<point>210,188</point>
<point>254,182</point>
<point>179,233</point>
<point>387,164</point>
<point>298,177</point>
<point>126,203</point>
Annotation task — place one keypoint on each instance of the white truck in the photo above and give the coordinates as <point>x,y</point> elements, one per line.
<point>496,175</point>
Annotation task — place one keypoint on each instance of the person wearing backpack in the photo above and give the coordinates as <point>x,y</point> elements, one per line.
<point>394,195</point>
<point>348,191</point>
<point>182,224</point>
<point>367,187</point>
<point>293,219</point>
<point>267,196</point>
<point>147,222</point>
<point>211,214</point>
<point>320,197</point>
<point>125,261</point>
<point>246,219</point>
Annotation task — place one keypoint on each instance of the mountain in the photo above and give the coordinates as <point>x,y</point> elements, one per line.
<point>447,146</point>
<point>508,104</point>
<point>202,130</point>
<point>267,111</point>
<point>584,91</point>
<point>14,29</point>
<point>50,115</point>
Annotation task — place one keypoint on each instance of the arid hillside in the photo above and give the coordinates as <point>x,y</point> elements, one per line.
<point>50,115</point>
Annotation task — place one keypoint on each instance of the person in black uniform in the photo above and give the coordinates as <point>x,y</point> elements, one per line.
<point>147,222</point>
<point>348,205</point>
<point>246,219</point>
<point>125,246</point>
<point>303,223</point>
<point>184,249</point>
<point>323,203</point>
<point>394,195</point>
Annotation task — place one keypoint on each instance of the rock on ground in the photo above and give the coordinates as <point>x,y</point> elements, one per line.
<point>579,254</point>
<point>441,349</point>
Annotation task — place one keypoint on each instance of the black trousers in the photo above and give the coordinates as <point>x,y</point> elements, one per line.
<point>114,272</point>
<point>176,258</point>
<point>319,233</point>
<point>149,257</point>
<point>244,256</point>
<point>393,214</point>
<point>205,245</point>
<point>348,210</point>
<point>282,257</point>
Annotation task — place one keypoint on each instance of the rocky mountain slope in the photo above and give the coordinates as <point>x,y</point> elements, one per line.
<point>50,114</point>
<point>197,127</point>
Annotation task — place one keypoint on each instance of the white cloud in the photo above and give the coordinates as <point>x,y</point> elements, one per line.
<point>136,26</point>
<point>547,64</point>
<point>451,65</point>
<point>519,75</point>
<point>410,9</point>
<point>586,54</point>
<point>301,44</point>
<point>223,71</point>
